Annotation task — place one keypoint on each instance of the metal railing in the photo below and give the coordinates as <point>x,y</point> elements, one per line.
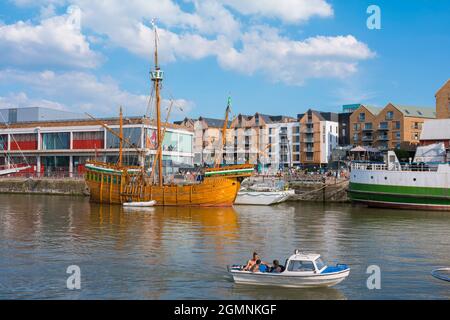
<point>395,167</point>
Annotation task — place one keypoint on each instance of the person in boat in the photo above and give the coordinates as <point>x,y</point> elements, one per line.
<point>259,267</point>
<point>251,262</point>
<point>276,267</point>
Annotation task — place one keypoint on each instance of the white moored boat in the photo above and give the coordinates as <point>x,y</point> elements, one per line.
<point>303,270</point>
<point>262,198</point>
<point>139,204</point>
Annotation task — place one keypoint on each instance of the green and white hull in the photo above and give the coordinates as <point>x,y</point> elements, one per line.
<point>403,189</point>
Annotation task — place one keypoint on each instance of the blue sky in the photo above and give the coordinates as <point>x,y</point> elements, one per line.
<point>275,57</point>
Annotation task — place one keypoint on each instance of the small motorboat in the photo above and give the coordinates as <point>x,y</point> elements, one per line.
<point>263,198</point>
<point>441,274</point>
<point>139,204</point>
<point>303,270</point>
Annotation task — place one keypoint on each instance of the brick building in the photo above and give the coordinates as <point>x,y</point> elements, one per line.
<point>392,127</point>
<point>443,101</point>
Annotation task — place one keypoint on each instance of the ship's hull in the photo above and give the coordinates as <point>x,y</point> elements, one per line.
<point>417,190</point>
<point>263,198</point>
<point>212,192</point>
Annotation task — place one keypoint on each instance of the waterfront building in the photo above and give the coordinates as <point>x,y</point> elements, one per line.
<point>208,147</point>
<point>362,127</point>
<point>392,127</point>
<point>319,136</point>
<point>344,123</point>
<point>64,146</point>
<point>436,131</point>
<point>443,101</point>
<point>283,150</point>
<point>33,114</point>
<point>250,138</point>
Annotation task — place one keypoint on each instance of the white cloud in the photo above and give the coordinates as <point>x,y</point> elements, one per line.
<point>21,100</point>
<point>210,29</point>
<point>290,11</point>
<point>55,41</point>
<point>292,62</point>
<point>78,92</point>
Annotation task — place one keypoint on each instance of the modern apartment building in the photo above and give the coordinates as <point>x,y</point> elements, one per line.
<point>283,149</point>
<point>64,146</point>
<point>443,101</point>
<point>319,135</point>
<point>344,123</point>
<point>248,138</point>
<point>392,127</point>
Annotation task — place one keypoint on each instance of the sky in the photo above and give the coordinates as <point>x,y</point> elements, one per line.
<point>274,57</point>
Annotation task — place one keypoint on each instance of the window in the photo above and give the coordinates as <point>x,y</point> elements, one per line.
<point>319,264</point>
<point>390,115</point>
<point>368,126</point>
<point>133,135</point>
<point>301,266</point>
<point>56,141</point>
<point>397,125</point>
<point>362,117</point>
<point>356,127</point>
<point>383,125</point>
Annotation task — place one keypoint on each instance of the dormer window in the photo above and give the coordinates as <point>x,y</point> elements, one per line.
<point>390,115</point>
<point>362,117</point>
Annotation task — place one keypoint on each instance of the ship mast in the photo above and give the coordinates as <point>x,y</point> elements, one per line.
<point>157,77</point>
<point>120,136</point>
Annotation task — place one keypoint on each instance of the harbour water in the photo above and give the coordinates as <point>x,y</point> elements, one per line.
<point>182,253</point>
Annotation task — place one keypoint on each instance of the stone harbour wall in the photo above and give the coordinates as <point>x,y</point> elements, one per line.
<point>320,193</point>
<point>75,187</point>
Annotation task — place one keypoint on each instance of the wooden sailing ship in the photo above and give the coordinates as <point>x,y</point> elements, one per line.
<point>117,183</point>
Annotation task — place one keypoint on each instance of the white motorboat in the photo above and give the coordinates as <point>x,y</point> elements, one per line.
<point>303,270</point>
<point>139,204</point>
<point>441,274</point>
<point>262,198</point>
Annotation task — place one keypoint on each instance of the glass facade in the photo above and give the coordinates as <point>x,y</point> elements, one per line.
<point>133,135</point>
<point>3,142</point>
<point>127,159</point>
<point>56,141</point>
<point>185,143</point>
<point>54,165</point>
<point>174,141</point>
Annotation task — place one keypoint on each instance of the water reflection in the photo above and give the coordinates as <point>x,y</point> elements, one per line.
<point>173,253</point>
<point>276,293</point>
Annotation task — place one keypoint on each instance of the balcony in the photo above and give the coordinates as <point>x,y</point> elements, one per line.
<point>309,130</point>
<point>308,149</point>
<point>383,127</point>
<point>367,129</point>
<point>367,138</point>
<point>308,140</point>
<point>383,138</point>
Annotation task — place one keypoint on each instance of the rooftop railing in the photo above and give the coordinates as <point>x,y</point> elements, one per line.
<point>432,167</point>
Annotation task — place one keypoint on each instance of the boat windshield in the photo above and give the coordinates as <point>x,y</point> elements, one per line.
<point>319,263</point>
<point>301,266</point>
